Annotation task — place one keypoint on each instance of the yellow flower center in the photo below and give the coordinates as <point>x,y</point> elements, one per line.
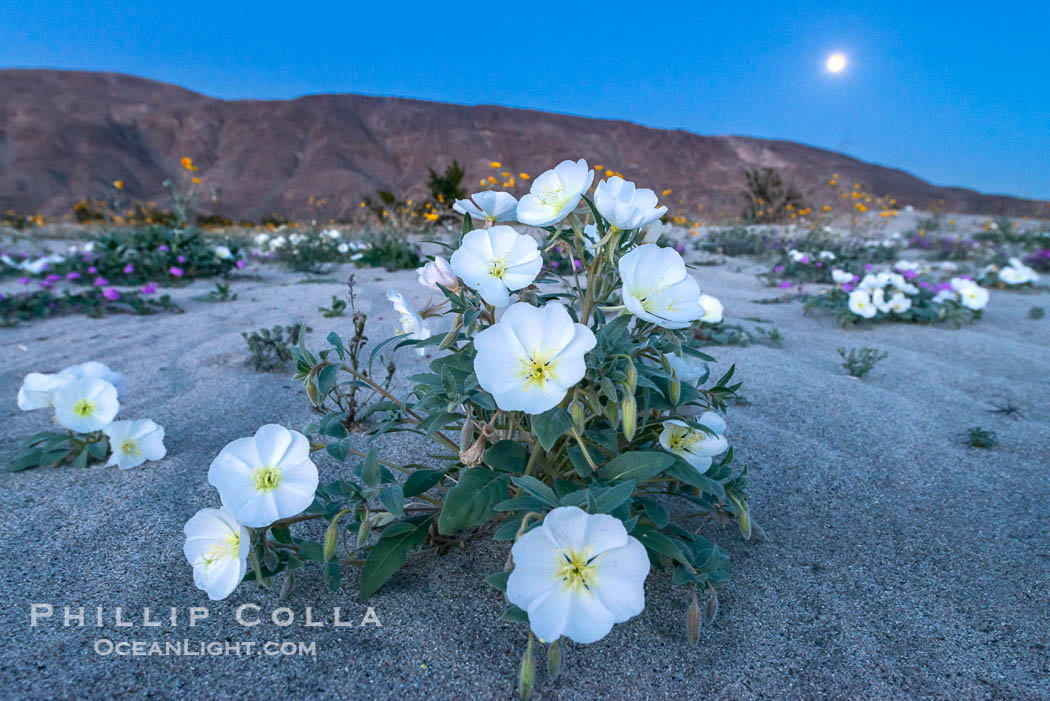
<point>499,267</point>
<point>682,439</point>
<point>266,479</point>
<point>575,570</point>
<point>84,408</point>
<point>537,369</point>
<point>129,447</point>
<point>229,547</point>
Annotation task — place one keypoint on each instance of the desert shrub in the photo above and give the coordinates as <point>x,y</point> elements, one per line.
<point>858,362</point>
<point>768,199</point>
<point>271,349</point>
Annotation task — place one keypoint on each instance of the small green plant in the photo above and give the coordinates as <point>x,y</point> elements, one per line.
<point>981,438</point>
<point>337,308</point>
<point>447,187</point>
<point>387,250</point>
<point>221,293</point>
<point>271,348</point>
<point>858,362</point>
<point>1036,313</point>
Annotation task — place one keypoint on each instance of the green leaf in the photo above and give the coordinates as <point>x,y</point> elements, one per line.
<point>326,379</point>
<point>657,542</point>
<point>513,614</point>
<point>684,472</point>
<point>470,502</point>
<point>536,488</point>
<point>655,511</point>
<point>370,473</point>
<point>551,425</point>
<point>602,500</point>
<point>498,581</point>
<point>389,553</point>
<point>420,481</point>
<point>338,449</point>
<point>507,456</point>
<point>24,461</point>
<point>636,465</point>
<point>394,500</point>
<point>525,502</point>
<point>332,575</point>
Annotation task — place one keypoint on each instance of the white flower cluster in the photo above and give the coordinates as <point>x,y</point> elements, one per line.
<point>33,266</point>
<point>85,398</point>
<point>800,257</point>
<point>1014,274</point>
<point>261,479</point>
<point>328,239</point>
<point>884,292</point>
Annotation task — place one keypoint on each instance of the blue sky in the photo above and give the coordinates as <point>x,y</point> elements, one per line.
<point>957,93</point>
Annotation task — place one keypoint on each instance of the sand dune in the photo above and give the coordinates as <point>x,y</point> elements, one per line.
<point>900,563</point>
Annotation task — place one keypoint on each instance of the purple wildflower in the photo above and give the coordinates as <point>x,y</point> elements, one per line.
<point>180,259</point>
<point>177,272</point>
<point>786,285</point>
<point>847,287</point>
<point>240,264</point>
<point>162,248</point>
<point>53,278</point>
<point>111,293</point>
<point>23,281</point>
<point>149,288</point>
<point>73,275</point>
<point>778,269</point>
<point>101,282</point>
<point>129,268</point>
<point>92,270</point>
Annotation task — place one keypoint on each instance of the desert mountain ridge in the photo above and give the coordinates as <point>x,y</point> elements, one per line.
<point>67,135</point>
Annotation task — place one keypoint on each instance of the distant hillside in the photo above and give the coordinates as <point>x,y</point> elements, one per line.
<point>66,135</point>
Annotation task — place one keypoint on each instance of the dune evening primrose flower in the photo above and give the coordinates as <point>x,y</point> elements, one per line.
<point>530,359</point>
<point>37,390</point>
<point>624,205</point>
<point>878,298</point>
<point>223,252</point>
<point>578,574</point>
<point>496,262</point>
<point>92,369</point>
<point>971,295</point>
<point>686,370</point>
<point>899,303</point>
<point>555,193</point>
<point>85,405</point>
<point>410,323</point>
<point>438,272</point>
<point>134,442</point>
<point>489,205</point>
<point>657,287</point>
<point>653,232</point>
<point>217,548</point>
<point>696,447</point>
<point>860,304</point>
<point>713,309</point>
<point>841,276</point>
<point>265,477</point>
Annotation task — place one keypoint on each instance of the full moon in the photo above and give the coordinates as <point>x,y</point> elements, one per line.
<point>836,63</point>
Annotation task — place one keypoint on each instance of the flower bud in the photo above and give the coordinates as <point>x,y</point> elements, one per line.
<point>331,537</point>
<point>311,391</point>
<point>362,533</point>
<point>527,674</point>
<point>675,390</point>
<point>629,416</point>
<point>711,610</point>
<point>612,411</point>
<point>692,620</point>
<point>576,411</point>
<point>554,660</point>
<point>631,378</point>
<point>453,333</point>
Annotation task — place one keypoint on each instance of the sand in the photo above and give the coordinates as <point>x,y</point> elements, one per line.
<point>900,562</point>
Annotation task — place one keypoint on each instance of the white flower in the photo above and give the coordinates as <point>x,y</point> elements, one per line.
<point>496,262</point>
<point>796,256</point>
<point>332,234</point>
<point>223,252</point>
<point>489,205</point>
<point>85,405</point>
<point>217,547</point>
<point>555,194</point>
<point>591,233</point>
<point>841,276</point>
<point>653,231</point>
<point>713,309</point>
<point>972,296</point>
<point>904,266</point>
<point>657,287</point>
<point>826,255</point>
<point>266,477</point>
<point>577,574</point>
<point>869,283</point>
<point>860,304</point>
<point>624,206</point>
<point>944,296</point>
<point>343,248</point>
<point>410,323</point>
<point>37,390</point>
<point>438,272</point>
<point>899,303</point>
<point>261,239</point>
<point>92,369</point>
<point>878,298</point>
<point>686,370</point>
<point>134,442</point>
<point>696,447</point>
<point>278,242</point>
<point>1017,273</point>
<point>530,359</point>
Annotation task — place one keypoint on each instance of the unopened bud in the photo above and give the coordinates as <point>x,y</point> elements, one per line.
<point>675,390</point>
<point>311,391</point>
<point>362,533</point>
<point>576,411</point>
<point>629,416</point>
<point>554,660</point>
<point>527,674</point>
<point>711,610</point>
<point>450,337</point>
<point>631,378</point>
<point>466,434</point>
<point>612,413</point>
<point>692,620</point>
<point>331,538</point>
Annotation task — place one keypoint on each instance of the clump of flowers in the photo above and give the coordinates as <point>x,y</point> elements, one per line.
<point>86,401</point>
<point>906,296</point>
<point>571,412</point>
<point>1014,274</point>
